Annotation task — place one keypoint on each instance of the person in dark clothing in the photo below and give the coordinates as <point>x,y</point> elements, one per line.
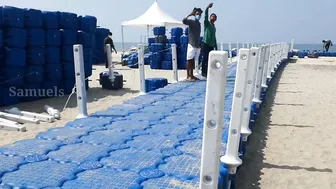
<point>108,40</point>
<point>193,51</point>
<point>209,41</point>
<point>326,45</point>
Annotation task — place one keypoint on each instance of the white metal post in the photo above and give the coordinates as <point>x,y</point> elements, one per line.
<point>251,78</point>
<point>174,62</point>
<point>237,47</point>
<point>221,47</point>
<point>110,62</point>
<point>265,69</point>
<point>271,60</point>
<point>231,157</point>
<point>213,119</point>
<point>230,51</point>
<point>261,62</point>
<point>141,65</point>
<point>292,45</point>
<point>80,81</point>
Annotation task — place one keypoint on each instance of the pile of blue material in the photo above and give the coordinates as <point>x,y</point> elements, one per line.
<point>100,35</point>
<point>304,53</point>
<point>153,84</point>
<point>36,52</point>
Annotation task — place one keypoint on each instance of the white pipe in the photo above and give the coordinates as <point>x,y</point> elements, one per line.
<point>213,119</point>
<point>122,40</point>
<point>230,51</point>
<point>141,63</point>
<point>292,45</point>
<point>174,62</point>
<point>251,77</point>
<point>264,75</point>
<point>52,111</point>
<point>257,88</point>
<point>231,157</point>
<point>45,118</point>
<point>221,47</point>
<point>18,118</point>
<point>11,125</point>
<point>110,62</point>
<point>80,81</point>
<point>271,60</point>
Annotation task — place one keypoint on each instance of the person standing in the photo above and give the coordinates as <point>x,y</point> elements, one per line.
<point>326,45</point>
<point>209,41</point>
<point>193,51</point>
<point>108,40</point>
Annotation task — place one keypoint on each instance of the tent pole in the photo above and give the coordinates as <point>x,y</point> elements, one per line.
<point>122,39</point>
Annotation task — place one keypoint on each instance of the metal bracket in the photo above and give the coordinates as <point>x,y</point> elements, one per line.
<point>213,119</point>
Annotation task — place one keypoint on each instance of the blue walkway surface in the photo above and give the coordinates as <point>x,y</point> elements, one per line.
<point>153,141</point>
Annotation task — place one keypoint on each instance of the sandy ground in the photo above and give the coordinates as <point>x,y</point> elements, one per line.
<point>98,99</point>
<point>293,145</point>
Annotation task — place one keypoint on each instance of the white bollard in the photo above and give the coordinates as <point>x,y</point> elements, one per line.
<point>174,59</point>
<point>251,78</point>
<point>231,156</point>
<point>80,81</point>
<point>110,62</point>
<point>213,119</point>
<point>265,69</point>
<point>271,60</point>
<point>141,63</point>
<point>221,47</point>
<point>257,88</point>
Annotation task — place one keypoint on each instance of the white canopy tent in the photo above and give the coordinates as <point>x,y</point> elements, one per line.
<point>154,16</point>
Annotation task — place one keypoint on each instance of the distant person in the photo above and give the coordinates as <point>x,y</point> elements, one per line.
<point>209,41</point>
<point>194,46</point>
<point>326,45</point>
<point>108,40</point>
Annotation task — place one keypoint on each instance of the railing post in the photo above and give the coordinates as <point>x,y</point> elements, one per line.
<point>231,157</point>
<point>110,62</point>
<point>261,62</point>
<point>230,51</point>
<point>213,119</point>
<point>80,81</point>
<point>265,69</point>
<point>251,80</point>
<point>292,45</point>
<point>221,47</point>
<point>174,62</point>
<point>271,60</point>
<point>141,63</point>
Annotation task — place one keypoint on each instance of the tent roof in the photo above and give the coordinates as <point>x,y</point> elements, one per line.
<point>154,16</point>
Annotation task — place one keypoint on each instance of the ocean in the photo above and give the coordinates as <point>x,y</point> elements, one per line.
<point>309,47</point>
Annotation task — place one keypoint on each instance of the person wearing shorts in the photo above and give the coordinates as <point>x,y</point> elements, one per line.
<point>194,46</point>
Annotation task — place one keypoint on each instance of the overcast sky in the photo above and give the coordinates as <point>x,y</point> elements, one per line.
<point>308,21</point>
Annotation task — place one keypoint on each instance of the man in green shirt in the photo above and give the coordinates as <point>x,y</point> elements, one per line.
<point>209,40</point>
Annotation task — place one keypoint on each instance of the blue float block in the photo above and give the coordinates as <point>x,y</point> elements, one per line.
<point>181,119</point>
<point>8,96</point>
<point>85,38</point>
<point>158,109</point>
<point>68,69</point>
<point>183,166</point>
<point>69,37</point>
<point>35,38</point>
<point>52,38</point>
<point>12,76</point>
<point>1,39</point>
<point>30,147</point>
<point>15,57</point>
<point>39,174</point>
<point>170,183</point>
<point>105,178</point>
<point>50,20</point>
<point>145,116</point>
<point>53,72</point>
<point>126,107</point>
<point>159,30</point>
<point>116,113</point>
<point>9,163</point>
<point>67,54</point>
<point>169,129</point>
<point>48,85</point>
<point>153,142</point>
<point>75,153</point>
<point>15,37</point>
<point>197,113</point>
<point>33,18</point>
<point>107,137</point>
<point>65,134</point>
<point>128,125</point>
<point>34,74</point>
<point>68,20</point>
<point>133,159</point>
<point>13,17</point>
<point>31,91</point>
<point>88,23</point>
<point>68,85</point>
<point>89,122</point>
<point>166,65</point>
<point>175,104</point>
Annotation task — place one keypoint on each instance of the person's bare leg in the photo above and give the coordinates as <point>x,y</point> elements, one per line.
<point>192,70</point>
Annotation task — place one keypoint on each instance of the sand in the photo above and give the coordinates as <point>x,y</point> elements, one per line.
<point>98,99</point>
<point>293,144</point>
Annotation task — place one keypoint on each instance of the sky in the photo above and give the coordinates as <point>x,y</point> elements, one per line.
<point>252,21</point>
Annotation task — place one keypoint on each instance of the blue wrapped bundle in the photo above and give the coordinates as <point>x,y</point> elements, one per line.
<point>177,32</point>
<point>52,38</point>
<point>53,72</point>
<point>86,39</point>
<point>50,20</point>
<point>33,18</point>
<point>88,23</point>
<point>68,37</point>
<point>34,74</point>
<point>68,20</point>
<point>159,30</point>
<point>12,17</point>
<point>15,37</point>
<point>35,38</point>
<point>52,55</point>
<point>36,56</point>
<point>15,57</point>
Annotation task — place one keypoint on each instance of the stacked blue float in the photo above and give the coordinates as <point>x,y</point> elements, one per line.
<point>37,47</point>
<point>159,48</point>
<point>99,54</point>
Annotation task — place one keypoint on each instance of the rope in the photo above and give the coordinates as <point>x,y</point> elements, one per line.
<point>73,92</point>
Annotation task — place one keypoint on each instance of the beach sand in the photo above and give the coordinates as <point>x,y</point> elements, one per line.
<point>293,144</point>
<point>98,99</point>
